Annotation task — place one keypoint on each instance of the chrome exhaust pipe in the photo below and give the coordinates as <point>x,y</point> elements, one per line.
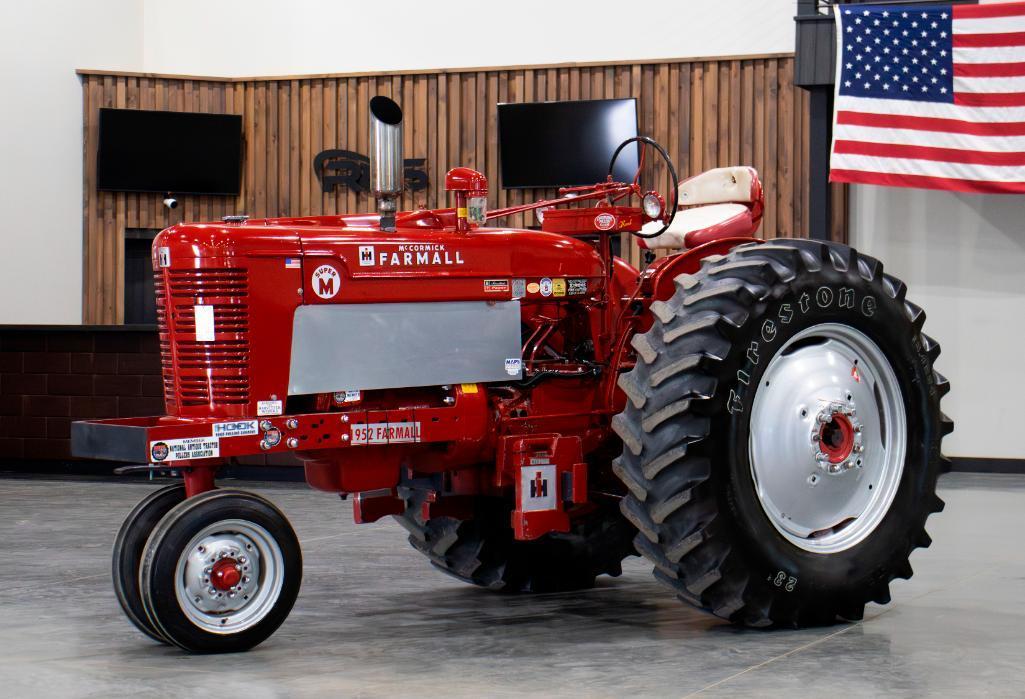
<point>386,166</point>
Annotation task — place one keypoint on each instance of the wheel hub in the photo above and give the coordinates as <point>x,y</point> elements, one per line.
<point>221,574</point>
<point>226,574</point>
<point>837,437</point>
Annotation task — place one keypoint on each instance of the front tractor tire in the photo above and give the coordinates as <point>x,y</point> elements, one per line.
<point>220,572</point>
<point>782,434</point>
<point>482,551</point>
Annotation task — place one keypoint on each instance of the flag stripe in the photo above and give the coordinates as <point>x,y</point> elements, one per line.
<point>990,85</point>
<point>989,40</point>
<point>938,110</point>
<point>890,179</point>
<point>998,143</point>
<point>900,121</point>
<point>931,168</point>
<point>995,99</point>
<point>942,155</point>
<point>989,55</point>
<point>988,70</point>
<point>994,25</point>
<point>1004,9</point>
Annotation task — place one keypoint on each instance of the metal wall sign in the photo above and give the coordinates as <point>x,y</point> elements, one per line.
<point>345,168</point>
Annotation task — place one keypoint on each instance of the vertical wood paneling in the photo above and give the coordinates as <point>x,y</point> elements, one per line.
<point>706,113</point>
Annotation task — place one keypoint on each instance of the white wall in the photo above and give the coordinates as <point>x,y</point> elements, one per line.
<point>41,44</point>
<point>963,259</point>
<point>270,37</point>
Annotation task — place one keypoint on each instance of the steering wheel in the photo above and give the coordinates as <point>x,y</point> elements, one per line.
<point>672,173</point>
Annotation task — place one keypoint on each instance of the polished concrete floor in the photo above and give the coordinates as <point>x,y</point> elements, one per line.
<point>374,620</point>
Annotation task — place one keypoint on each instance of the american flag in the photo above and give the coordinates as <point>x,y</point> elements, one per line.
<point>931,97</point>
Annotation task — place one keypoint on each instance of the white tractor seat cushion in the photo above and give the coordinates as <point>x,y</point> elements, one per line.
<point>723,184</point>
<point>690,220</point>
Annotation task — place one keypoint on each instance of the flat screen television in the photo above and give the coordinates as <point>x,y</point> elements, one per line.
<point>177,152</point>
<point>552,144</point>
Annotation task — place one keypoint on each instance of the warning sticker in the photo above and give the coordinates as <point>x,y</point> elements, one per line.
<point>537,488</point>
<point>533,287</point>
<point>558,287</point>
<point>546,287</point>
<point>188,448</point>
<point>513,366</point>
<point>386,433</point>
<point>519,288</point>
<point>496,285</point>
<point>268,407</point>
<point>468,387</point>
<point>204,323</point>
<point>239,428</point>
<point>577,286</point>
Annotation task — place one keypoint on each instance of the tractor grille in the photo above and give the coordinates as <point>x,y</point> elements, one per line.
<point>204,373</point>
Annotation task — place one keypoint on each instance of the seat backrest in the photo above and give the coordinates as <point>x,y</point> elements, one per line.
<point>720,186</point>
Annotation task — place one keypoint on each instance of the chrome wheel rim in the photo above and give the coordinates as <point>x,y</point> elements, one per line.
<point>229,576</point>
<point>828,437</point>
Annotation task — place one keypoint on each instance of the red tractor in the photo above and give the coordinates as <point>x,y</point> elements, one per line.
<point>759,419</point>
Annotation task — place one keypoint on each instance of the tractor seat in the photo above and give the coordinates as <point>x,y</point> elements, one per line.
<point>692,227</point>
<point>723,203</point>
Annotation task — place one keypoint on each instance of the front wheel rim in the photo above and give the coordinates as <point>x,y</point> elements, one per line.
<point>828,438</point>
<point>229,577</point>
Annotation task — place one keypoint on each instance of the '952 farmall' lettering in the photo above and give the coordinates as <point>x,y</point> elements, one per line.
<point>386,433</point>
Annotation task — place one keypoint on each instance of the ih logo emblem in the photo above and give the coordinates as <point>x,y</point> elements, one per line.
<point>325,281</point>
<point>537,488</point>
<point>366,255</point>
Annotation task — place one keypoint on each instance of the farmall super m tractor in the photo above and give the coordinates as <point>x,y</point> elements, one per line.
<point>759,419</point>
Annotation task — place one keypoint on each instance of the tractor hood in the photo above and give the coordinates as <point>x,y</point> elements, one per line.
<point>348,259</point>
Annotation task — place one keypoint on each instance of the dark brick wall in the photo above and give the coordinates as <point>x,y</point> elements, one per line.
<point>50,376</point>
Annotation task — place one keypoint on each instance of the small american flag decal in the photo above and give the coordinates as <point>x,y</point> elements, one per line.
<point>293,263</point>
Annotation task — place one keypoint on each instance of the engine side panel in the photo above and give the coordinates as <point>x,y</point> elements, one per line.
<point>367,346</point>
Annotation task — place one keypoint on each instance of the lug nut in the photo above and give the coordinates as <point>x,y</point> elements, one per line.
<point>292,442</point>
<point>345,438</point>
<point>266,425</point>
<point>291,423</point>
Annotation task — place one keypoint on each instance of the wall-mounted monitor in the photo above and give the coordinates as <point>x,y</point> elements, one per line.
<point>552,144</point>
<point>178,152</point>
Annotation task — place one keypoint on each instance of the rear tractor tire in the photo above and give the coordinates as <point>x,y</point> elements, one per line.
<point>220,572</point>
<point>482,551</point>
<point>782,434</point>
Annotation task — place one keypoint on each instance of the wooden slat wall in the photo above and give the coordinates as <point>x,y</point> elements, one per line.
<point>707,113</point>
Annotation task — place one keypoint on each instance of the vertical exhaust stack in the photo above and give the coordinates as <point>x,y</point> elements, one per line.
<point>386,167</point>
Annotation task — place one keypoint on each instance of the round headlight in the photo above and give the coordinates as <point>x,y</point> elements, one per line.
<point>652,205</point>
